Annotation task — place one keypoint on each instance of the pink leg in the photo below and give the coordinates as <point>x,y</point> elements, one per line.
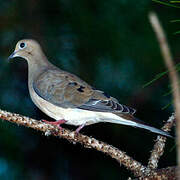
<point>59,122</point>
<point>79,128</point>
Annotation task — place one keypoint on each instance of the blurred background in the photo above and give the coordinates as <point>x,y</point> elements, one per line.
<point>111,45</point>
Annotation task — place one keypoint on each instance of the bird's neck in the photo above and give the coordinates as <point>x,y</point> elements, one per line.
<point>36,67</point>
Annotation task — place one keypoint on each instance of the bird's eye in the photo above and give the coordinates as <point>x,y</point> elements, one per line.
<point>22,45</point>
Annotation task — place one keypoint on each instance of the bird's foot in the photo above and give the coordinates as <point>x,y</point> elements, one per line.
<point>79,128</point>
<point>58,123</point>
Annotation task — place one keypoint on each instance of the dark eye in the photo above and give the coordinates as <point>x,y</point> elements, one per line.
<point>22,45</point>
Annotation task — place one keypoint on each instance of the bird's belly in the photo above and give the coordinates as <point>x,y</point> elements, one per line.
<point>73,116</point>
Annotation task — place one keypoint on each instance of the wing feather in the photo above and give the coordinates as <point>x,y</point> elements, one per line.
<point>66,90</point>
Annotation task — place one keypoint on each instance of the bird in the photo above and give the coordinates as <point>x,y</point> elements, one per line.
<point>69,100</point>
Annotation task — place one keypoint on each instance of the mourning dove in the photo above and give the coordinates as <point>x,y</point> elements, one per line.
<point>68,99</point>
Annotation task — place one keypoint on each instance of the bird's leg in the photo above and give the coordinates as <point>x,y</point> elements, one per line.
<point>58,122</point>
<point>80,127</point>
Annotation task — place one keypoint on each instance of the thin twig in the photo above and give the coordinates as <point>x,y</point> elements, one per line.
<point>172,73</point>
<point>158,149</point>
<point>134,166</point>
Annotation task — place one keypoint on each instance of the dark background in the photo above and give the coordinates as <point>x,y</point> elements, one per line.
<point>111,45</point>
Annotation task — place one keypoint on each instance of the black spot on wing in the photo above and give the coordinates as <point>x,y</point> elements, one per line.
<point>80,89</point>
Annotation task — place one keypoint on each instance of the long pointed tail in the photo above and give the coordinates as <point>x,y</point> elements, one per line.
<point>140,124</point>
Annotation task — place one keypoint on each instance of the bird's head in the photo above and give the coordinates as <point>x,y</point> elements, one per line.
<point>27,49</point>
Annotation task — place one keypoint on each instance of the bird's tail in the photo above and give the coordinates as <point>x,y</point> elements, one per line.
<point>140,124</point>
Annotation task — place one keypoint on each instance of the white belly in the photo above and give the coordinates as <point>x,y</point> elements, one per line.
<point>73,116</point>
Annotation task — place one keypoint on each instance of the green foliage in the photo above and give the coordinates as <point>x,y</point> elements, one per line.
<point>167,3</point>
<point>158,76</point>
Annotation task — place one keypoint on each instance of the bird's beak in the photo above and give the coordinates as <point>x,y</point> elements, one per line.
<point>12,55</point>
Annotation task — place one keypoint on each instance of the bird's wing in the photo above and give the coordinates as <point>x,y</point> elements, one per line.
<point>66,90</point>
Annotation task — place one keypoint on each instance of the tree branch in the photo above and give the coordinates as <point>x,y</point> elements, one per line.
<point>137,168</point>
<point>172,73</point>
<point>158,149</point>
<point>168,173</point>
